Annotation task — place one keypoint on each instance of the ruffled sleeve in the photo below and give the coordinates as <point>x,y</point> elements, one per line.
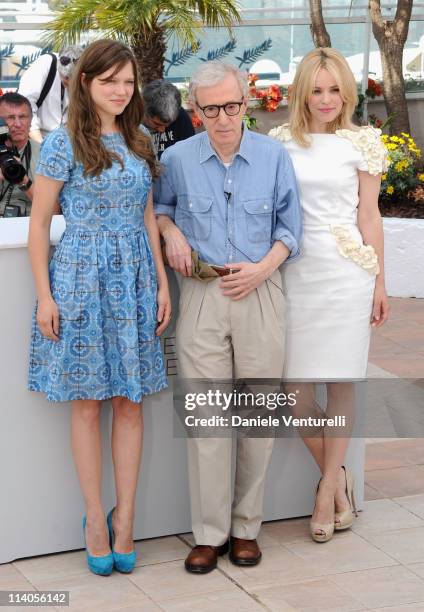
<point>374,156</point>
<point>56,157</point>
<point>281,133</point>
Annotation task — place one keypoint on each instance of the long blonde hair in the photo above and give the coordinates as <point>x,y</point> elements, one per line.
<point>84,123</point>
<point>303,86</point>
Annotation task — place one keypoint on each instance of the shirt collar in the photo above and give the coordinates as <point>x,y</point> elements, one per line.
<point>245,151</point>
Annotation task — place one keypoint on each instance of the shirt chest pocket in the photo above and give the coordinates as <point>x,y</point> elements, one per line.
<point>258,219</point>
<point>193,216</point>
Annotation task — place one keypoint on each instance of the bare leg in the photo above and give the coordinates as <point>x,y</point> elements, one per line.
<point>331,496</point>
<point>327,450</point>
<point>87,452</point>
<point>127,440</point>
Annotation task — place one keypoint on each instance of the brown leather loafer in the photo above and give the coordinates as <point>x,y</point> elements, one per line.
<point>244,552</point>
<point>203,559</point>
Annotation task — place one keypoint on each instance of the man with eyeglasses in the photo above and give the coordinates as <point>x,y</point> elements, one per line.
<point>16,199</point>
<point>230,195</point>
<point>45,85</point>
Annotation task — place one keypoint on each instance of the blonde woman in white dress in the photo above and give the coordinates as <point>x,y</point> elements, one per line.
<point>335,290</point>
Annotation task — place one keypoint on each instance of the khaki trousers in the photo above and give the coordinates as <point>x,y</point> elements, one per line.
<point>220,338</point>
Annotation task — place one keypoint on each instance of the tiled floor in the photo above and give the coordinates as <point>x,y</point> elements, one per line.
<point>378,565</point>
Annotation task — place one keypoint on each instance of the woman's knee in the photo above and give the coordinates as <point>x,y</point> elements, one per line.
<point>125,409</point>
<point>86,410</point>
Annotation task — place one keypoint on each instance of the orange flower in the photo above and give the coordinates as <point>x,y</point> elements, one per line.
<point>253,92</point>
<point>253,78</point>
<point>196,121</point>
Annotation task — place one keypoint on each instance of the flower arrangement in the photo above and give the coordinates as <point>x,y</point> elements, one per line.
<point>403,174</point>
<point>269,99</point>
<point>374,89</point>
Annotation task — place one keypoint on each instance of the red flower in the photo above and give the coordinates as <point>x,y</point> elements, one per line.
<point>196,121</point>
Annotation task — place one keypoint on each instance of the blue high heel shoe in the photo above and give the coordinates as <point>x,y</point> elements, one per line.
<point>124,562</point>
<point>103,565</point>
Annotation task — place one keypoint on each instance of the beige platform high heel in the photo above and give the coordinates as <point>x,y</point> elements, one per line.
<point>344,519</point>
<point>327,528</point>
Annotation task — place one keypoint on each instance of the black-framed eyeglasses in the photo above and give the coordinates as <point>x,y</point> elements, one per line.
<point>211,111</point>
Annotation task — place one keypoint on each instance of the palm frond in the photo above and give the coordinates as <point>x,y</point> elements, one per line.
<point>178,58</point>
<point>7,51</point>
<point>251,55</point>
<point>217,54</point>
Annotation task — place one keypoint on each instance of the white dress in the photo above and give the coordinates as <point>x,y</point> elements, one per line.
<point>329,288</point>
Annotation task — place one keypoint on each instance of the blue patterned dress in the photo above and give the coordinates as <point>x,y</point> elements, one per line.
<point>103,279</point>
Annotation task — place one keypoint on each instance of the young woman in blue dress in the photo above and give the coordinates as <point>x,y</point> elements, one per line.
<point>103,300</point>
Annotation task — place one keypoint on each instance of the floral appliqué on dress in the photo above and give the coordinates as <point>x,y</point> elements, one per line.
<point>364,256</point>
<point>367,141</point>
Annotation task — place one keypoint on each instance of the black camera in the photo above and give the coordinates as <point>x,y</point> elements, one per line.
<point>12,170</point>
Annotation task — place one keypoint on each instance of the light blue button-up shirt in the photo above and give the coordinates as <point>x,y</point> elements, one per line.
<point>231,214</point>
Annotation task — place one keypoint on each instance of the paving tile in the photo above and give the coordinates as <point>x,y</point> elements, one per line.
<point>384,515</point>
<point>383,586</point>
<point>385,456</point>
<point>409,366</point>
<point>413,503</point>
<point>12,579</point>
<point>345,552</point>
<point>97,593</point>
<point>144,605</point>
<point>229,599</point>
<point>370,493</point>
<point>413,607</point>
<point>288,530</point>
<point>407,333</point>
<point>46,567</point>
<point>412,450</point>
<point>404,545</point>
<point>308,596</point>
<point>278,566</point>
<point>170,580</point>
<point>397,482</point>
<point>160,550</point>
<point>417,568</point>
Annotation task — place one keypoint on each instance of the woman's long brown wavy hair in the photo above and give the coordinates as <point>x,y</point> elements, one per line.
<point>84,123</point>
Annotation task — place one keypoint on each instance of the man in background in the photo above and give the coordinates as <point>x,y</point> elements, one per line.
<point>16,199</point>
<point>45,84</point>
<point>164,116</point>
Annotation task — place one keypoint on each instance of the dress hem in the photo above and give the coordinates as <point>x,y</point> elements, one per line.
<point>137,400</point>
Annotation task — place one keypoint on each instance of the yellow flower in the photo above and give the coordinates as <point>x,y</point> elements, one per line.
<point>391,146</point>
<point>421,177</point>
<point>390,189</point>
<point>404,134</point>
<point>401,165</point>
<point>384,137</point>
<point>401,141</point>
<point>394,138</point>
<point>384,176</point>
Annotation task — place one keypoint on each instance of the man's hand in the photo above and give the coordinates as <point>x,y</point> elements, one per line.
<point>246,277</point>
<point>178,251</point>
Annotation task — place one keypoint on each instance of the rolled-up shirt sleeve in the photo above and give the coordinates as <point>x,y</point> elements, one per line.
<point>288,225</point>
<point>164,198</point>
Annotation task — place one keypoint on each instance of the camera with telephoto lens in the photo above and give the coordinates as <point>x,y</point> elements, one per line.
<point>12,170</point>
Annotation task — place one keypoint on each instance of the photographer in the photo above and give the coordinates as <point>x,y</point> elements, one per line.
<point>164,116</point>
<point>15,144</point>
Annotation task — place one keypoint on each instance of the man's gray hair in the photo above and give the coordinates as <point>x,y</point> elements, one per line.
<point>162,99</point>
<point>212,73</point>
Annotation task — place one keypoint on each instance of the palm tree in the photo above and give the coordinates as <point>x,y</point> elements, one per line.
<point>145,25</point>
